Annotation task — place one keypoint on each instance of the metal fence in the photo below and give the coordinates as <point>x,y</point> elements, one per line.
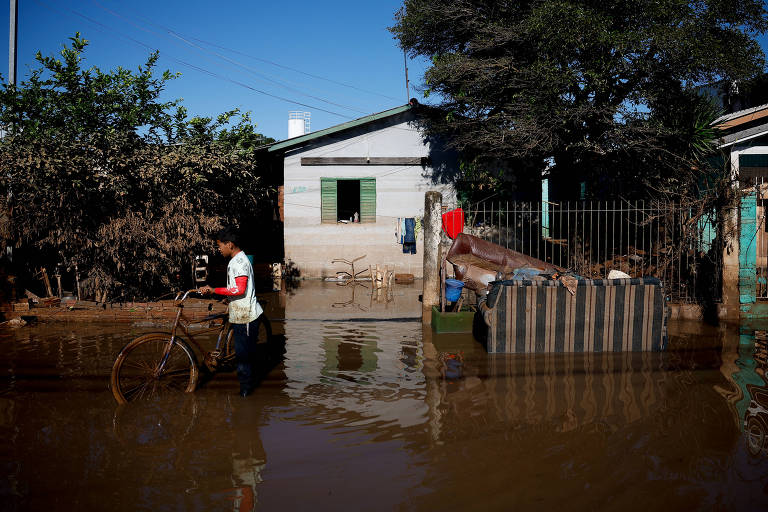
<point>594,237</point>
<point>760,185</point>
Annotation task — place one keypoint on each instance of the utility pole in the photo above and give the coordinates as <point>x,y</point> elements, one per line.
<point>407,93</point>
<point>12,39</point>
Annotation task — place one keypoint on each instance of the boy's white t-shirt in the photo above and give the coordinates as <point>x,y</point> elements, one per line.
<point>242,308</point>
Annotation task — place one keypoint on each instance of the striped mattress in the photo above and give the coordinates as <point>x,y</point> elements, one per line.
<point>604,315</point>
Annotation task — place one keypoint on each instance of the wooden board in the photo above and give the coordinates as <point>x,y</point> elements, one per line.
<point>362,160</point>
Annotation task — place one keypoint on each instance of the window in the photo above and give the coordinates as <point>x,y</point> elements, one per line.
<point>753,166</point>
<point>341,198</point>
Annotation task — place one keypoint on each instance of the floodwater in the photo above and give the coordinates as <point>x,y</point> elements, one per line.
<point>376,414</point>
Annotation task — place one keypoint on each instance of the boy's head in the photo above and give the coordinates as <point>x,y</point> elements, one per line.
<point>227,240</point>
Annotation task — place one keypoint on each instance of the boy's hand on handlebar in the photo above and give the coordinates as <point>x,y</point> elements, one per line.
<point>205,290</point>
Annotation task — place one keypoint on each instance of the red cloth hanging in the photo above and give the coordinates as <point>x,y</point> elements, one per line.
<point>453,222</point>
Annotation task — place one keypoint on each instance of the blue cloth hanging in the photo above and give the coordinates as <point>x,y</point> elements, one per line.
<point>409,238</point>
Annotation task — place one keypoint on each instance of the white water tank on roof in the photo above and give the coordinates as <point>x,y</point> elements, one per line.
<point>298,124</point>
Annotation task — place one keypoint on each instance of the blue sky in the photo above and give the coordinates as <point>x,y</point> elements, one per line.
<point>344,62</point>
<point>356,65</point>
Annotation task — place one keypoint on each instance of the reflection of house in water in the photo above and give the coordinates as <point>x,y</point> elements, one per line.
<point>756,413</point>
<point>745,367</point>
<point>321,300</point>
<point>756,421</point>
<point>371,370</point>
<point>350,353</point>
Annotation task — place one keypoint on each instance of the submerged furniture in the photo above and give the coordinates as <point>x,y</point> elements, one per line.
<point>352,276</point>
<point>476,261</point>
<point>603,315</point>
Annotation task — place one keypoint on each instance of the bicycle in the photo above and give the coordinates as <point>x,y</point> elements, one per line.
<point>157,363</point>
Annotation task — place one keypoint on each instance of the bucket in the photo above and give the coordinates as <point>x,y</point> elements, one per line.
<point>453,289</point>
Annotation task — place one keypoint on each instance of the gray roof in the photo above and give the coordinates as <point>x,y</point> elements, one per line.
<point>742,135</point>
<point>295,141</point>
<point>739,113</point>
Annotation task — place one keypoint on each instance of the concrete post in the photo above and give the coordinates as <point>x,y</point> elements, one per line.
<point>433,203</point>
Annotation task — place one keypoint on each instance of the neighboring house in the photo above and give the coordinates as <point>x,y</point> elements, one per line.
<point>745,142</point>
<point>745,136</point>
<point>376,169</point>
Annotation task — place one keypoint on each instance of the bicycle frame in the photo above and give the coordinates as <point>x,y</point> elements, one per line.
<point>183,323</point>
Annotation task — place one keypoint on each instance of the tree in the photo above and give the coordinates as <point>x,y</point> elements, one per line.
<point>101,174</point>
<point>596,86</point>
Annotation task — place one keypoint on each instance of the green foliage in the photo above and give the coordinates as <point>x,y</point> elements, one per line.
<point>231,130</point>
<point>101,174</point>
<point>596,85</point>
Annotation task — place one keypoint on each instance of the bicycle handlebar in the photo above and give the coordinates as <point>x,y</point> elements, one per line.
<point>184,295</point>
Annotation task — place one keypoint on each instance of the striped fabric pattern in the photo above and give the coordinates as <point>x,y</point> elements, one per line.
<point>604,315</point>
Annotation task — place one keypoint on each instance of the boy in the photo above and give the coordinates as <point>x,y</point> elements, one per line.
<point>244,308</point>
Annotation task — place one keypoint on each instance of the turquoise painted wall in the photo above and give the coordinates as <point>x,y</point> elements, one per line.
<point>748,252</point>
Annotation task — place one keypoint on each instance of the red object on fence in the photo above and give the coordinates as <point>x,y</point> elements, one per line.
<point>453,222</point>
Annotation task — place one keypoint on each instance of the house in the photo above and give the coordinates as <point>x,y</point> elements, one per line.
<point>745,138</point>
<point>744,141</point>
<point>347,188</point>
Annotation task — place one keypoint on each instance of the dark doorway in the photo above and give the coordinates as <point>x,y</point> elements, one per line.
<point>347,199</point>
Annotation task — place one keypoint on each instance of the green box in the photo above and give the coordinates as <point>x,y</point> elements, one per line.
<point>449,321</point>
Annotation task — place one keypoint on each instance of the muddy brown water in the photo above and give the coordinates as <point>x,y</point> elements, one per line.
<point>382,415</point>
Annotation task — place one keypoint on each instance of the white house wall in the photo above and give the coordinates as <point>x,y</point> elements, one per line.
<point>756,146</point>
<point>400,190</point>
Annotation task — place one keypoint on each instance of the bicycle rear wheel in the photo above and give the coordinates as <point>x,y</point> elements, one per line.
<point>134,372</point>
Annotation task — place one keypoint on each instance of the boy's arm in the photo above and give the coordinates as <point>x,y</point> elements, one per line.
<point>241,284</point>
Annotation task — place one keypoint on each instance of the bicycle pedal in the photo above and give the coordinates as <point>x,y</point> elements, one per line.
<point>212,360</point>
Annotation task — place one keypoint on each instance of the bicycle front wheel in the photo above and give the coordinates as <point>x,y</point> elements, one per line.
<point>135,375</point>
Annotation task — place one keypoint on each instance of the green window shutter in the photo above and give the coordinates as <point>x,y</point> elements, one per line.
<point>328,200</point>
<point>368,200</point>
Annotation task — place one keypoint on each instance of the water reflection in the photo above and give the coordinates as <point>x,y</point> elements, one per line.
<point>369,369</point>
<point>563,391</point>
<point>383,415</point>
<point>174,440</point>
<point>750,401</point>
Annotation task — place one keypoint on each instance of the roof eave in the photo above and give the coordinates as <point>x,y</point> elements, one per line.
<point>744,139</point>
<point>295,141</point>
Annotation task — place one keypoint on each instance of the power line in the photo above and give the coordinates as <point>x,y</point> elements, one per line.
<point>354,109</point>
<point>197,68</point>
<point>266,61</point>
<point>187,39</point>
<point>260,59</point>
<point>179,37</point>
